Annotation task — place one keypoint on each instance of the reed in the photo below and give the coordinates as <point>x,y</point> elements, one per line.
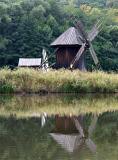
<point>24,80</point>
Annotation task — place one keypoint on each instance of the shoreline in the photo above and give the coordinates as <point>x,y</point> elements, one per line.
<point>58,93</point>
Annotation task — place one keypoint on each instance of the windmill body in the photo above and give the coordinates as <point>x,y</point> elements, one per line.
<point>71,46</point>
<point>68,44</point>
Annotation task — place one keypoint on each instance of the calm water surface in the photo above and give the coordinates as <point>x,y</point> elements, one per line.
<point>61,127</point>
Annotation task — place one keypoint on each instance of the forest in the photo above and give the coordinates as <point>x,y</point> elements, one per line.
<point>27,26</point>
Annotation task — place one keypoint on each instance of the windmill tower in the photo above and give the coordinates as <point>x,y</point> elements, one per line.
<point>72,44</point>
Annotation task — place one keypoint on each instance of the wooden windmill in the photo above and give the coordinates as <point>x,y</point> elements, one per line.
<point>73,43</point>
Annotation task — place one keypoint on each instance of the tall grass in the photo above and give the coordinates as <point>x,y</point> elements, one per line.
<point>35,81</point>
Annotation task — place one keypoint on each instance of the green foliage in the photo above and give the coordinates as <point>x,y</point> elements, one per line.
<point>26,26</point>
<point>6,89</point>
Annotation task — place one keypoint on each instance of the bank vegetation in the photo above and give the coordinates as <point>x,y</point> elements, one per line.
<point>57,81</point>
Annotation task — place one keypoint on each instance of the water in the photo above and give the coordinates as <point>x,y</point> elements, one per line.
<point>60,127</point>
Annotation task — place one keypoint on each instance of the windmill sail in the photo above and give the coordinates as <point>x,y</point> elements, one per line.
<point>90,144</point>
<point>95,31</point>
<point>79,128</point>
<point>87,42</point>
<point>93,54</point>
<point>93,125</point>
<point>80,27</point>
<point>78,55</point>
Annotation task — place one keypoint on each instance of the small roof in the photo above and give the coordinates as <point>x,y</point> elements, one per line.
<point>29,62</point>
<point>69,37</point>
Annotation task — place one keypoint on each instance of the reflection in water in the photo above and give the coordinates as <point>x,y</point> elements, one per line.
<point>43,119</point>
<point>59,127</point>
<point>70,133</point>
<point>34,106</point>
<point>85,136</point>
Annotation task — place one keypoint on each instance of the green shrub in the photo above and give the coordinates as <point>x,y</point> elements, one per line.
<point>6,88</point>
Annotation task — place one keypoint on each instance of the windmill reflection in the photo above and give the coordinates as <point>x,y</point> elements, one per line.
<point>70,133</point>
<point>43,119</point>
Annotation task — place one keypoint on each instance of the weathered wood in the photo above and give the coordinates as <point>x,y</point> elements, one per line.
<point>68,45</point>
<point>65,55</point>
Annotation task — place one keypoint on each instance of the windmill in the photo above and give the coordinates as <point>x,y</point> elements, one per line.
<point>87,39</point>
<point>73,43</point>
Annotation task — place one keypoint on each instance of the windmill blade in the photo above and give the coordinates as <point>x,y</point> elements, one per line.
<point>78,126</point>
<point>79,25</point>
<point>78,55</point>
<point>91,145</point>
<point>95,31</point>
<point>92,125</point>
<point>93,54</point>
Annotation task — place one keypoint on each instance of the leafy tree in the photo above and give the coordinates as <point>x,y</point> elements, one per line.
<point>26,26</point>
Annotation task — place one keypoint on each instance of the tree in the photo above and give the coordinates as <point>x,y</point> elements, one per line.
<point>26,26</point>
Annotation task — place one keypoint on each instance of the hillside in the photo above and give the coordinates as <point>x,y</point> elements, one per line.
<point>26,26</point>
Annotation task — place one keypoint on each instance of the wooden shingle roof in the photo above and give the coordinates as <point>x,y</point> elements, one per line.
<point>69,37</point>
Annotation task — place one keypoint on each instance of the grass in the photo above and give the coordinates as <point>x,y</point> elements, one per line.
<point>35,81</point>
